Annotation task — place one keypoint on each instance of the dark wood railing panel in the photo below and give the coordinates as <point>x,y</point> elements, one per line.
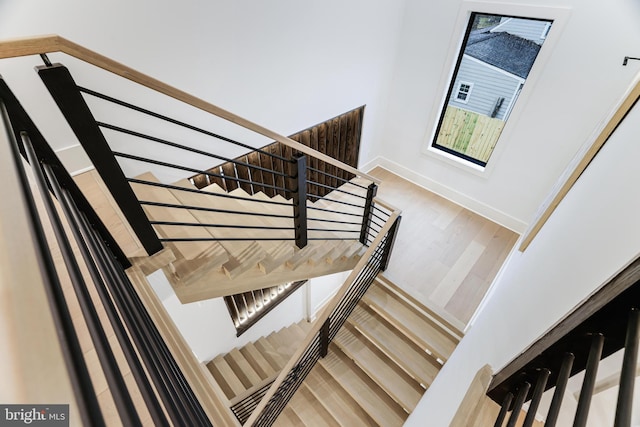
<point>338,137</point>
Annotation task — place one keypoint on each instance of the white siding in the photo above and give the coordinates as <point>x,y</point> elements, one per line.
<point>489,84</point>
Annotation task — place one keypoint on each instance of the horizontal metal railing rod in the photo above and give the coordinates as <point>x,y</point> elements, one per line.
<point>227,239</point>
<point>335,221</point>
<point>205,225</point>
<point>329,238</point>
<point>373,214</point>
<point>205,192</point>
<point>342,202</point>
<point>334,189</point>
<point>192,170</point>
<point>315,208</point>
<point>333,230</point>
<point>214,210</point>
<point>335,177</point>
<point>186,148</point>
<point>177,122</point>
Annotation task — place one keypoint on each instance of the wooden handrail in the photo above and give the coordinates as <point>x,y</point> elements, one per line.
<point>324,315</point>
<point>583,160</point>
<point>53,43</point>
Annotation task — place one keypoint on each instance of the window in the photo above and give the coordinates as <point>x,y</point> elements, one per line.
<point>464,90</point>
<point>497,55</point>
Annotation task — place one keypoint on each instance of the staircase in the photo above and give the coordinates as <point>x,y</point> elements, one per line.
<point>380,363</point>
<point>245,242</point>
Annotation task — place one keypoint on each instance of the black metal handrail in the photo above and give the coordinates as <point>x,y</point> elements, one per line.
<point>177,122</point>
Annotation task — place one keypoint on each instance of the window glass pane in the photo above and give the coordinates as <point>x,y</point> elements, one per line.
<point>494,63</point>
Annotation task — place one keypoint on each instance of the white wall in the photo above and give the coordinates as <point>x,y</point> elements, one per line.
<point>592,235</point>
<point>576,86</point>
<point>207,327</point>
<point>284,64</point>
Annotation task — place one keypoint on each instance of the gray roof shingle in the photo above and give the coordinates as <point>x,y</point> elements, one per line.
<point>503,50</point>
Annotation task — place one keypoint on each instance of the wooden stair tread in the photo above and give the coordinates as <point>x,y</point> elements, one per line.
<point>335,399</point>
<point>380,407</point>
<point>417,327</point>
<point>393,380</point>
<point>308,409</point>
<point>242,368</point>
<point>454,326</point>
<point>244,251</point>
<point>278,251</point>
<point>225,377</point>
<point>187,250</point>
<point>257,361</point>
<point>272,355</point>
<point>288,418</point>
<point>405,353</point>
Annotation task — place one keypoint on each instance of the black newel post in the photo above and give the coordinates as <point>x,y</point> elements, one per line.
<point>300,200</point>
<point>324,338</point>
<point>372,190</point>
<point>67,96</point>
<point>391,241</point>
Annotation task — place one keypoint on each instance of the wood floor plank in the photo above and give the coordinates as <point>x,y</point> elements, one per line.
<point>434,234</point>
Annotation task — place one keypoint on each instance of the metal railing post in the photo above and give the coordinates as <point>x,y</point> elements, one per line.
<point>65,93</point>
<point>589,382</point>
<point>561,386</point>
<point>391,241</point>
<point>628,373</point>
<point>372,190</point>
<point>300,200</point>
<point>504,409</point>
<point>324,338</point>
<point>523,391</point>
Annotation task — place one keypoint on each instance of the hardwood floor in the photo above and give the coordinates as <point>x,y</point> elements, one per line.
<point>445,256</point>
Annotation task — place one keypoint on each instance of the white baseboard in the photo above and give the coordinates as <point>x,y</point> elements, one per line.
<point>74,159</point>
<point>448,193</point>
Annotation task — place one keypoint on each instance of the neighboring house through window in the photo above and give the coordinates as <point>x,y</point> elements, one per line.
<point>497,54</point>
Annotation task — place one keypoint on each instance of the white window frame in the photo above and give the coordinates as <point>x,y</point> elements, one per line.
<point>459,91</point>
